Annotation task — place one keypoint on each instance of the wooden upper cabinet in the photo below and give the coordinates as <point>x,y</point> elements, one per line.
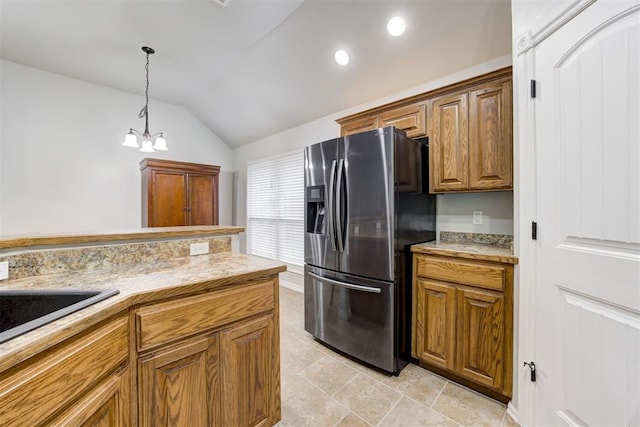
<point>360,125</point>
<point>490,137</point>
<point>471,146</point>
<point>449,143</point>
<point>410,119</point>
<point>178,193</point>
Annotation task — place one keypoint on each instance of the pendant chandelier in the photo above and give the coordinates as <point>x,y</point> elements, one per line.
<point>131,139</point>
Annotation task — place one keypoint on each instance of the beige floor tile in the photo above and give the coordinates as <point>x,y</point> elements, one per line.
<point>469,408</point>
<point>311,407</point>
<point>329,374</point>
<point>352,420</point>
<point>409,413</point>
<point>368,398</point>
<point>299,356</point>
<point>417,383</point>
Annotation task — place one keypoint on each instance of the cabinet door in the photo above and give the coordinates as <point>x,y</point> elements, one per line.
<point>169,201</point>
<point>360,125</point>
<point>449,145</point>
<point>179,385</point>
<point>481,339</point>
<point>410,119</point>
<point>490,140</point>
<point>247,386</point>
<point>203,200</point>
<point>107,405</point>
<point>434,323</point>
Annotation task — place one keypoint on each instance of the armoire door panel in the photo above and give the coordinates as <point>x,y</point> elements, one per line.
<point>169,199</point>
<point>201,199</point>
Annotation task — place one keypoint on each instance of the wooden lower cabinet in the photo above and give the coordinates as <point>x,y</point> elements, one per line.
<point>179,385</point>
<point>247,372</point>
<point>481,348</point>
<point>435,318</point>
<point>80,380</point>
<point>107,405</point>
<point>228,374</point>
<point>464,327</point>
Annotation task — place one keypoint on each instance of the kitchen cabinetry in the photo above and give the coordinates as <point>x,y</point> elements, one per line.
<point>463,320</point>
<point>211,359</point>
<point>471,139</point>
<point>178,193</point>
<point>469,126</point>
<point>77,382</point>
<point>409,118</point>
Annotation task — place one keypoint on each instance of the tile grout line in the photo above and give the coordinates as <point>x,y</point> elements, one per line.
<point>438,396</point>
<point>390,409</point>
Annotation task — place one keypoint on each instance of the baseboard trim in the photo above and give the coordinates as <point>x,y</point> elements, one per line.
<point>512,412</point>
<point>292,286</point>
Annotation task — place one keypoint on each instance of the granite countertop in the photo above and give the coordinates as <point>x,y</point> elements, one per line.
<point>21,241</point>
<point>477,251</point>
<point>138,283</point>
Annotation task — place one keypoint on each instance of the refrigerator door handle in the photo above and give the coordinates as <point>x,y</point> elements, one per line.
<point>331,215</point>
<point>339,225</point>
<point>346,284</point>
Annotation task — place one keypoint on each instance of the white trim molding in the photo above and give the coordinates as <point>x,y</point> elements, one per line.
<point>530,39</point>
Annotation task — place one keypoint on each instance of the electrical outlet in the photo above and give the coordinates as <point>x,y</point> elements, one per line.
<point>477,217</point>
<point>199,248</point>
<point>4,270</point>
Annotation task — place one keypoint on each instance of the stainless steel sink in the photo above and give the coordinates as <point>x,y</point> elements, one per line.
<point>23,311</point>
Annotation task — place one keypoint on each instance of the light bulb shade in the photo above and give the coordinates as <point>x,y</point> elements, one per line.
<point>147,146</point>
<point>130,140</point>
<point>161,143</point>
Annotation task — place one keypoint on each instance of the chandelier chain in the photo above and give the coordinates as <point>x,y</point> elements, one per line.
<point>146,91</point>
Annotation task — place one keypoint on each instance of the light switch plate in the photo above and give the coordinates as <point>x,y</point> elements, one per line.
<point>4,270</point>
<point>199,248</point>
<point>477,217</point>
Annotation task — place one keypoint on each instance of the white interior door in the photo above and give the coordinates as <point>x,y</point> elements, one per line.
<point>587,329</point>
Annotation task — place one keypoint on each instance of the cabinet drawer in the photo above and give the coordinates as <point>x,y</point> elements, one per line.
<point>410,119</point>
<point>169,321</point>
<point>470,273</point>
<point>35,392</point>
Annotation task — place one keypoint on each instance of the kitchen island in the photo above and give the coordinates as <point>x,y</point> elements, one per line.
<point>188,340</point>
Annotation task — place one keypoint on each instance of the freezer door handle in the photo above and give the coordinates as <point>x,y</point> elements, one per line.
<point>339,207</point>
<point>346,284</point>
<point>332,234</point>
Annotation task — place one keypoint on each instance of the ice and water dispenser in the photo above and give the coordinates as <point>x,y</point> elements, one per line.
<point>316,210</point>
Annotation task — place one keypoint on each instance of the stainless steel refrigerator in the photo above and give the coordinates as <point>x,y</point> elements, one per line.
<point>366,203</point>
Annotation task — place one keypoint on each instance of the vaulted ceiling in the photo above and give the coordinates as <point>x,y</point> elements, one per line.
<point>254,67</point>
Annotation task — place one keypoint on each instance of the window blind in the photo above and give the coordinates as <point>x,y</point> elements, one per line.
<point>275,208</point>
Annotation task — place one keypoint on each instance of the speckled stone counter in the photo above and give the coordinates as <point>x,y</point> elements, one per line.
<point>484,247</point>
<point>137,283</point>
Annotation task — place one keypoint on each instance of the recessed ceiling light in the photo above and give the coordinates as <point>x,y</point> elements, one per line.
<point>342,57</point>
<point>396,26</point>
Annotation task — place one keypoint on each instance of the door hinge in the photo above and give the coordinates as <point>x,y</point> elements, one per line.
<point>534,230</point>
<point>533,88</point>
<point>532,367</point>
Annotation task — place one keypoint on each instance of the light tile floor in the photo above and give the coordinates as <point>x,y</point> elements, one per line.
<point>322,388</point>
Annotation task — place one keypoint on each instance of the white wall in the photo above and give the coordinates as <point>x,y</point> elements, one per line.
<point>62,165</point>
<point>457,209</point>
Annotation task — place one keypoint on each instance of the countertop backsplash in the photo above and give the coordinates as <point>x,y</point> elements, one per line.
<point>38,263</point>
<point>499,240</point>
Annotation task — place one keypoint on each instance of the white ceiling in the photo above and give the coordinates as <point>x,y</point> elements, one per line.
<point>255,67</point>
